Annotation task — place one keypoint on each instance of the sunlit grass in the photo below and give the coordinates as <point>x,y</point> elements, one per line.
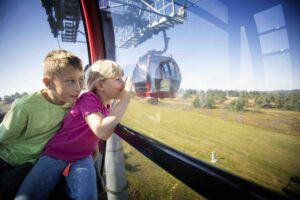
<point>148,181</point>
<point>264,155</point>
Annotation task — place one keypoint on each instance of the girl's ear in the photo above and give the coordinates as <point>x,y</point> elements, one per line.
<point>46,82</point>
<point>100,86</point>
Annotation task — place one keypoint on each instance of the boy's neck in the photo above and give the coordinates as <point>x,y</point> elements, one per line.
<point>51,98</point>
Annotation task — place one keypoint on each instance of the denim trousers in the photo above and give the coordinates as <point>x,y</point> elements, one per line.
<point>42,179</point>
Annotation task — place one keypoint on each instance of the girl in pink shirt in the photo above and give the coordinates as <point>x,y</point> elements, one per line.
<point>89,120</point>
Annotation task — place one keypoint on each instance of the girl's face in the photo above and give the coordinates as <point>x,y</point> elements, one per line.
<point>112,87</point>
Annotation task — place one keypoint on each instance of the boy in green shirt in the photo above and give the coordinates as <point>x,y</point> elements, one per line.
<point>34,119</point>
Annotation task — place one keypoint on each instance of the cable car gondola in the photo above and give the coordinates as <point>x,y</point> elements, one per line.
<point>156,76</point>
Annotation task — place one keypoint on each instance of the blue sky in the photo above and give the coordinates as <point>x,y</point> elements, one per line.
<point>25,39</point>
<point>200,48</point>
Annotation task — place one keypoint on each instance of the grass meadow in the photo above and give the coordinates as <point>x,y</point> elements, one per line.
<point>261,146</point>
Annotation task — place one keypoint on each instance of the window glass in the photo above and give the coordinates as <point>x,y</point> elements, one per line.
<point>275,41</point>
<point>246,63</point>
<point>236,92</point>
<point>276,67</point>
<point>269,19</point>
<point>173,70</point>
<point>166,70</point>
<point>232,101</point>
<point>156,182</point>
<point>215,7</point>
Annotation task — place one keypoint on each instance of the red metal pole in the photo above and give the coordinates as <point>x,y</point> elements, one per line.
<point>94,34</point>
<point>95,41</point>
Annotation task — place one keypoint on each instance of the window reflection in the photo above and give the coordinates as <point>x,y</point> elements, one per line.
<point>220,49</point>
<point>270,19</point>
<point>238,67</point>
<point>274,42</point>
<point>231,67</point>
<point>276,67</point>
<point>215,7</point>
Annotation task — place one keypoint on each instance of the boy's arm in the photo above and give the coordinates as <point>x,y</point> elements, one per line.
<point>13,124</point>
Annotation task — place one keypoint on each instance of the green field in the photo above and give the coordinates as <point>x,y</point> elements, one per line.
<point>262,147</point>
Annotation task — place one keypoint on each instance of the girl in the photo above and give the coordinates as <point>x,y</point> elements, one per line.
<point>70,150</point>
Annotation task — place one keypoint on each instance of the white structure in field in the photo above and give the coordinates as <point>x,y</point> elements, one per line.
<point>213,157</point>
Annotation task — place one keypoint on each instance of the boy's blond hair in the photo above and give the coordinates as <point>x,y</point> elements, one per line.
<point>101,70</point>
<point>56,60</point>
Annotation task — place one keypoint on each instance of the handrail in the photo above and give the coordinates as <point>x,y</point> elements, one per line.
<point>209,181</point>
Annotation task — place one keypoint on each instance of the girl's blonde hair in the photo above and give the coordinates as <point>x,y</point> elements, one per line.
<point>101,70</point>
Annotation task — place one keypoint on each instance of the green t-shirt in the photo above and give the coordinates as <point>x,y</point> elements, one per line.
<point>27,127</point>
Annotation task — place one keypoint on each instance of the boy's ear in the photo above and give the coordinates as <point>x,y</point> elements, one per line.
<point>46,82</point>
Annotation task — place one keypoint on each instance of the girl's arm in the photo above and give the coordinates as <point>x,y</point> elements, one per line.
<point>102,126</point>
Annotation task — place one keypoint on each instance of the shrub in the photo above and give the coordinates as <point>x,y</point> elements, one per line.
<point>208,102</point>
<point>196,102</point>
<point>237,105</point>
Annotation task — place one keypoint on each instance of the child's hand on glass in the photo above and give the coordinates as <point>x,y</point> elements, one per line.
<point>126,92</point>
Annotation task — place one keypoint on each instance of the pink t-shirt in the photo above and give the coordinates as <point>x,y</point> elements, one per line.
<point>75,140</point>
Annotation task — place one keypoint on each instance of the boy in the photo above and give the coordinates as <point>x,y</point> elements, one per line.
<point>34,119</point>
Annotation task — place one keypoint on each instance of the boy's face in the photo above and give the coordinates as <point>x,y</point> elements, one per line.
<point>66,85</point>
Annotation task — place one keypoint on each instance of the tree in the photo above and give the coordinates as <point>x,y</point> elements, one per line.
<point>196,102</point>
<point>237,105</point>
<point>267,102</point>
<point>188,93</point>
<point>208,102</point>
<point>11,98</point>
<point>279,100</point>
<point>8,99</point>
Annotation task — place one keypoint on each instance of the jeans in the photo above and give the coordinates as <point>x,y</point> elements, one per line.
<point>42,179</point>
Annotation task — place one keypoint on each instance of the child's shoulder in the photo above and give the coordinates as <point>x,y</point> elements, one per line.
<point>28,99</point>
<point>90,97</point>
<point>87,94</point>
